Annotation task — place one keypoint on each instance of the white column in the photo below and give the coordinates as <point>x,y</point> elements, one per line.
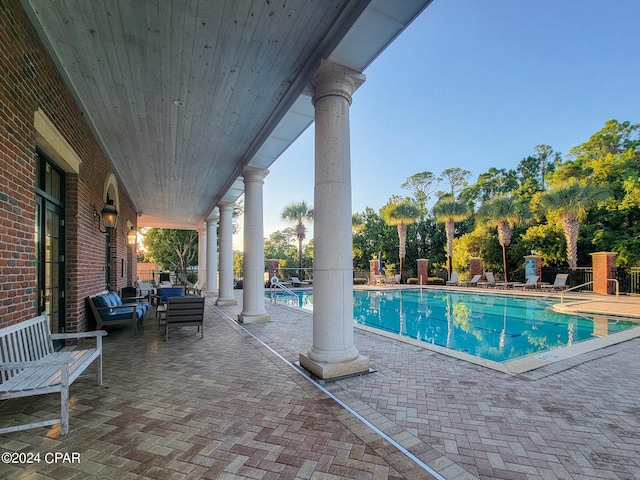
<point>333,353</point>
<point>202,253</point>
<point>211,279</point>
<point>225,295</point>
<point>253,309</point>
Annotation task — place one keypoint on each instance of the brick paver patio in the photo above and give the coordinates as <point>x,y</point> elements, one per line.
<point>230,407</point>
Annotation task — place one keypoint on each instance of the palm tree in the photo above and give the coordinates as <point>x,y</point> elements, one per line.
<point>448,210</point>
<point>400,212</point>
<point>296,213</point>
<point>503,212</point>
<point>571,201</point>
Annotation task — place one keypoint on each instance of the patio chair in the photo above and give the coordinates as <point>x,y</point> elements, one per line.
<point>560,283</point>
<point>473,282</point>
<point>531,283</point>
<point>453,280</point>
<point>184,312</point>
<point>297,282</point>
<point>490,280</point>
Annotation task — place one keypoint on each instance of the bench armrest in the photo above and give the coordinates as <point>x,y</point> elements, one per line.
<point>62,336</point>
<point>60,359</point>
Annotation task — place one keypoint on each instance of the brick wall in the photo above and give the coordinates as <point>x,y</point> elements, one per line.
<point>28,82</point>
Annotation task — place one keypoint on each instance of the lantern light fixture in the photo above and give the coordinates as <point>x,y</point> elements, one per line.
<point>108,216</point>
<point>132,236</point>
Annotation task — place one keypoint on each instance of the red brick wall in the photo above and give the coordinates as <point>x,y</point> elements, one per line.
<point>604,268</point>
<point>423,271</point>
<point>28,82</point>
<point>475,266</point>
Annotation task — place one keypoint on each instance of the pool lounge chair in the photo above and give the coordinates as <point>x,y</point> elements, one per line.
<point>454,279</point>
<point>490,280</point>
<point>531,283</point>
<point>297,282</point>
<point>560,283</point>
<point>473,282</point>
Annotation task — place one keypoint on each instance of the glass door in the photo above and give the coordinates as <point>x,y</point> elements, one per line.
<point>49,235</point>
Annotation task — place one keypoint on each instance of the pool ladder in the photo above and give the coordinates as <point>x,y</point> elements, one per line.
<point>274,286</point>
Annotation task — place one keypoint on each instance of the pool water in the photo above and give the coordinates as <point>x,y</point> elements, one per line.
<point>493,327</point>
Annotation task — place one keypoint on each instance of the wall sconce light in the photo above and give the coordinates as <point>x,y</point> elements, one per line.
<point>108,217</point>
<point>132,236</point>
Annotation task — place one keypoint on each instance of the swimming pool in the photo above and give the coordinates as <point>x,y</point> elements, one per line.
<point>493,327</point>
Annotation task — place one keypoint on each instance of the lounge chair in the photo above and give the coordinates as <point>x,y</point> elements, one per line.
<point>297,282</point>
<point>490,280</point>
<point>144,289</point>
<point>560,283</point>
<point>453,280</point>
<point>531,283</point>
<point>473,282</point>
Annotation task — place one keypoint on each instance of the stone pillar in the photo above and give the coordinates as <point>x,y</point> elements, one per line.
<point>202,253</point>
<point>273,267</point>
<point>604,268</point>
<point>423,271</point>
<point>253,309</point>
<point>333,353</point>
<point>475,266</point>
<point>532,266</point>
<point>225,294</point>
<point>212,252</point>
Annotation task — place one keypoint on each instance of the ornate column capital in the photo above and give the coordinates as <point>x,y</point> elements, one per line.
<point>225,206</point>
<point>254,174</point>
<point>214,217</point>
<point>331,79</point>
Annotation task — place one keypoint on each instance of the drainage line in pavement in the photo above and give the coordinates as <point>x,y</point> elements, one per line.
<point>419,462</point>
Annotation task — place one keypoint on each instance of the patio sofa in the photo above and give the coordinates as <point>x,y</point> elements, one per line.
<point>165,293</point>
<point>108,309</point>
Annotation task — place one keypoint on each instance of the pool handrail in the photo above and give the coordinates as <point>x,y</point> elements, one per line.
<point>277,284</point>
<point>617,283</point>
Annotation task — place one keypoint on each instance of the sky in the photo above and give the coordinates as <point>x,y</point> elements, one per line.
<point>477,84</point>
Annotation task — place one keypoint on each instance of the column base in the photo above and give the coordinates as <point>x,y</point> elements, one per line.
<point>327,371</point>
<point>226,301</point>
<point>245,318</point>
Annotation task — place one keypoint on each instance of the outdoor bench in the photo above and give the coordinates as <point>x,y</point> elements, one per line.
<point>29,366</point>
<point>108,309</point>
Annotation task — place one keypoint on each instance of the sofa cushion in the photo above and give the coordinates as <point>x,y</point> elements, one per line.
<point>165,293</point>
<point>115,298</point>
<point>101,301</point>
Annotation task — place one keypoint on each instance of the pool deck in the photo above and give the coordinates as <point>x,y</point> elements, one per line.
<point>234,405</point>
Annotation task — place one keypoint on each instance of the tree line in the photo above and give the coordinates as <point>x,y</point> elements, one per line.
<point>563,209</point>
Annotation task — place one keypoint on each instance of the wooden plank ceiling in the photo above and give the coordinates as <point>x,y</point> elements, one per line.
<point>181,94</point>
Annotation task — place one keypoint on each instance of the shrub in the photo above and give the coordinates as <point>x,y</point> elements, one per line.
<point>360,281</point>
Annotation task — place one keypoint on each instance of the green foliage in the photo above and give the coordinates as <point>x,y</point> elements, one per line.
<point>238,264</point>
<point>172,249</point>
<point>547,240</point>
<point>422,185</point>
<point>490,184</point>
<point>604,197</point>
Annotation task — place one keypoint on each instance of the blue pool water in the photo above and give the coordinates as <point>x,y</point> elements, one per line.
<point>493,327</point>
